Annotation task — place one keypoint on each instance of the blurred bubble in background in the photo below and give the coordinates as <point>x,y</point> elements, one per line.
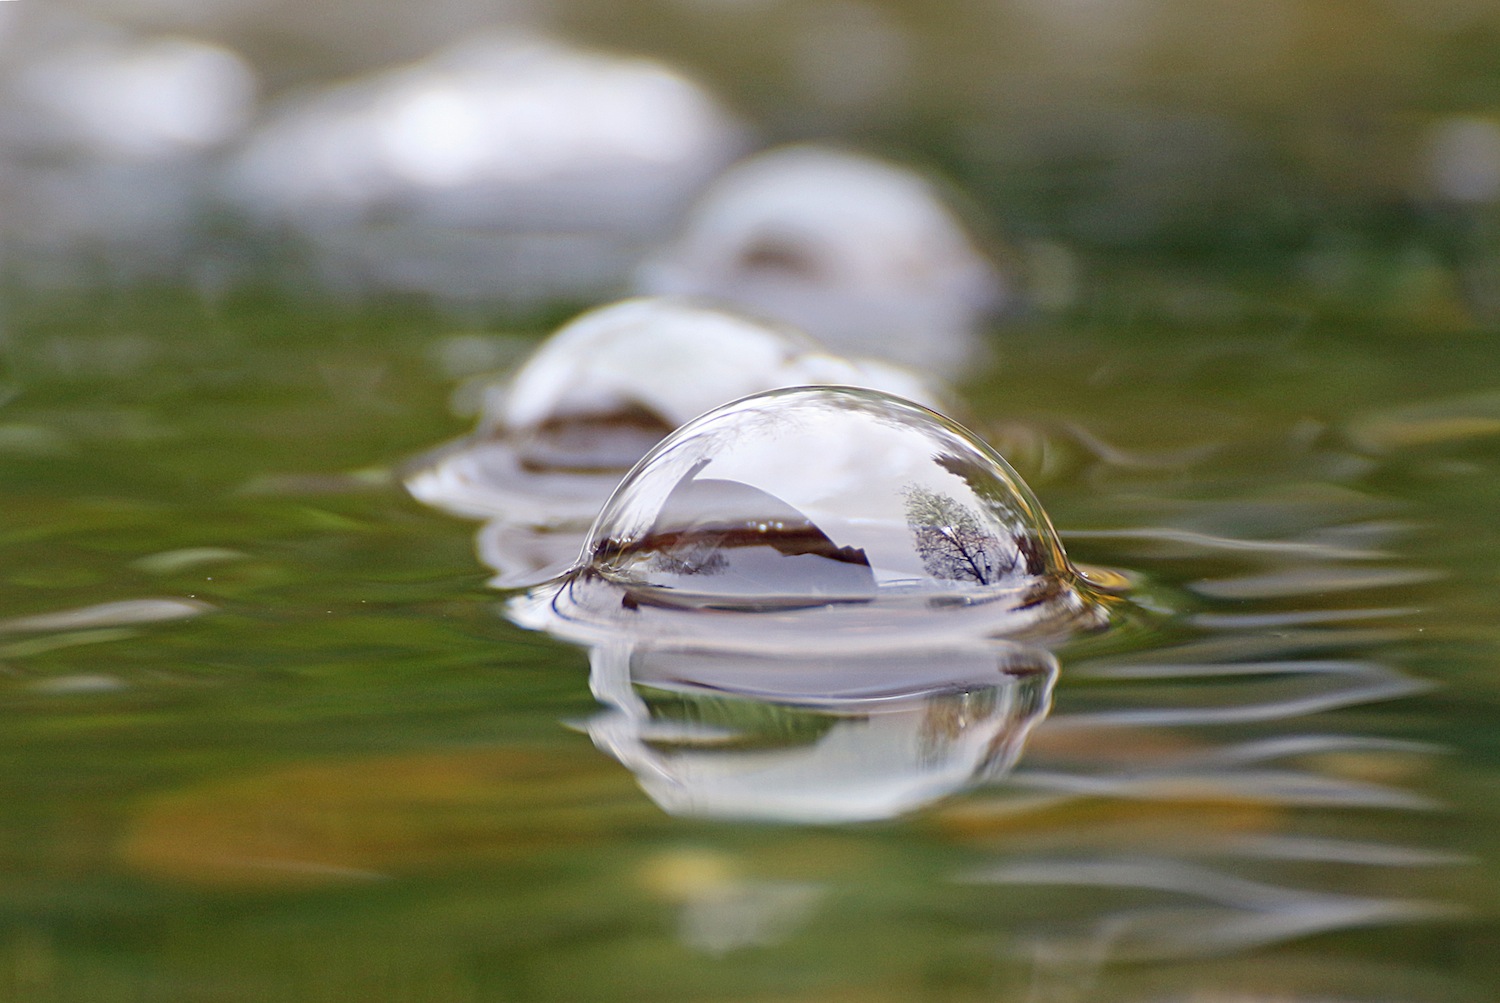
<point>1121,155</point>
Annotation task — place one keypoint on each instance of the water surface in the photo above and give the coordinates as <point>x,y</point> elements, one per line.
<point>269,735</point>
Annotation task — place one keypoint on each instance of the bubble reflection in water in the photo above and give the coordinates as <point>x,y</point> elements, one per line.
<point>815,739</point>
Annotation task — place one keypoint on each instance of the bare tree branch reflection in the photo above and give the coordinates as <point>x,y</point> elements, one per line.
<point>952,541</point>
<point>1003,506</point>
<point>692,556</point>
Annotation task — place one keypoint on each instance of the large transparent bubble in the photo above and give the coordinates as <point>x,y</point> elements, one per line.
<point>827,514</point>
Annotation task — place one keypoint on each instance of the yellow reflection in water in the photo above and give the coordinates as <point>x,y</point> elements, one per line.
<point>367,819</point>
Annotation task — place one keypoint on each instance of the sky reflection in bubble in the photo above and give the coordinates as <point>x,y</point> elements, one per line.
<point>814,516</point>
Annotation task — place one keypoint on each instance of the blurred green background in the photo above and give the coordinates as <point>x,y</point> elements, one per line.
<point>1260,257</point>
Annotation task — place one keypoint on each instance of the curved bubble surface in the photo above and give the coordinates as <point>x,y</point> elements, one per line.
<point>820,508</point>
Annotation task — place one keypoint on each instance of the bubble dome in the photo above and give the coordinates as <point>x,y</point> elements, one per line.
<point>820,513</point>
<point>861,253</point>
<point>556,438</point>
<point>675,359</point>
<point>509,167</point>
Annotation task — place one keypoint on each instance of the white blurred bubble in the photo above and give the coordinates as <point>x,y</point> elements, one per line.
<point>861,253</point>
<point>1463,159</point>
<point>676,359</point>
<point>108,142</point>
<point>509,168</point>
<point>556,437</point>
<point>138,99</point>
<point>433,134</point>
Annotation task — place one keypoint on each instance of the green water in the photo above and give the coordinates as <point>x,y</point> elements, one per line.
<point>340,774</point>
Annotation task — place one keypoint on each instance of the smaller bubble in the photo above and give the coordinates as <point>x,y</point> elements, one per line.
<point>557,437</point>
<point>861,253</point>
<point>509,167</point>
